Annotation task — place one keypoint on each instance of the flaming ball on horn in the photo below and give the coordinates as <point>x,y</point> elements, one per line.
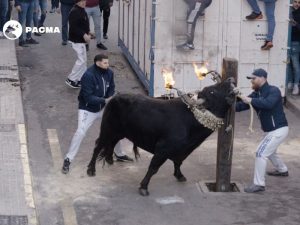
<point>168,77</point>
<point>202,72</point>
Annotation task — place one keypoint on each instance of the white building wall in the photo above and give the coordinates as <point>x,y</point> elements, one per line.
<point>222,32</point>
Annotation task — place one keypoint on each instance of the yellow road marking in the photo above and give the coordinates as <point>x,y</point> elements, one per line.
<point>32,219</point>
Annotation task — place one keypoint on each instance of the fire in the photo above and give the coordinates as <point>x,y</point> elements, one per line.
<point>200,72</point>
<point>168,77</point>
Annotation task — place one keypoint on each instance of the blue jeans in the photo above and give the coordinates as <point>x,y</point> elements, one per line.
<point>54,4</point>
<point>294,74</point>
<point>25,18</point>
<point>37,5</point>
<point>65,11</point>
<point>3,12</point>
<point>270,9</point>
<point>96,15</point>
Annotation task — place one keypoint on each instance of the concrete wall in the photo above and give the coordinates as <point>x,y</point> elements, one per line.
<point>222,32</point>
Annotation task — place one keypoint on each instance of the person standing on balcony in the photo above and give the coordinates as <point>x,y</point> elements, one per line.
<point>257,14</point>
<point>196,9</point>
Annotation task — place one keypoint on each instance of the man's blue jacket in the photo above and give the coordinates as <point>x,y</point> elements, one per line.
<point>96,85</point>
<point>267,102</point>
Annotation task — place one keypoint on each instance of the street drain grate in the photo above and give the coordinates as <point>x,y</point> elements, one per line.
<point>13,220</point>
<point>210,187</point>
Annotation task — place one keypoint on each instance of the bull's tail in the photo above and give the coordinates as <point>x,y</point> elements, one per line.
<point>136,152</point>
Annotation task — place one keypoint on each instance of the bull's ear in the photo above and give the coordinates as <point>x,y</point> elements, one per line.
<point>230,100</point>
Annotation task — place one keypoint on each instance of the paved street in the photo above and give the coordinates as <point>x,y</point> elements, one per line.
<point>111,198</point>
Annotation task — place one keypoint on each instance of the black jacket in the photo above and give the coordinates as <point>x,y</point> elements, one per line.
<point>67,2</point>
<point>79,24</point>
<point>96,85</point>
<point>267,102</point>
<point>296,29</point>
<point>104,4</point>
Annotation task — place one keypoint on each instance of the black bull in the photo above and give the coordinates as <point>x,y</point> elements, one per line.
<point>167,129</point>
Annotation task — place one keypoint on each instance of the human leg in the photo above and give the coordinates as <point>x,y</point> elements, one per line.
<point>96,15</point>
<point>267,150</point>
<point>65,10</point>
<point>295,49</point>
<point>43,6</point>
<point>3,12</point>
<point>106,14</point>
<point>80,65</point>
<point>85,120</point>
<point>270,10</point>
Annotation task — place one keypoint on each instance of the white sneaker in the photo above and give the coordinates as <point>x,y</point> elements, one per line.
<point>290,86</point>
<point>295,90</point>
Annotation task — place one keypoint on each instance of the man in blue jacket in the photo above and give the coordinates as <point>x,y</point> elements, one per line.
<point>267,102</point>
<point>257,14</point>
<point>97,88</point>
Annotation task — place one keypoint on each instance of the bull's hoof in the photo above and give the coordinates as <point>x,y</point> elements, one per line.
<point>110,161</point>
<point>91,173</point>
<point>181,179</point>
<point>143,192</point>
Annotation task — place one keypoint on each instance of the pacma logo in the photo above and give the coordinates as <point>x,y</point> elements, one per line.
<point>12,30</point>
<point>48,30</point>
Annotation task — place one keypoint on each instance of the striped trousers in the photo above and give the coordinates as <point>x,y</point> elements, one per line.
<point>267,149</point>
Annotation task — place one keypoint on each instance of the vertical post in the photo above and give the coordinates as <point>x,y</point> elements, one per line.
<point>226,134</point>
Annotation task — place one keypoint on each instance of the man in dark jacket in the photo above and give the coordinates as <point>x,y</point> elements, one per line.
<point>196,9</point>
<point>97,88</point>
<point>79,36</point>
<point>267,102</point>
<point>105,6</point>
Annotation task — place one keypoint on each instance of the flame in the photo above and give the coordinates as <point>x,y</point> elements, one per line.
<point>200,72</point>
<point>168,77</point>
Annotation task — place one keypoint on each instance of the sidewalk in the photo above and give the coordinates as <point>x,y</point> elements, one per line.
<point>293,104</point>
<point>16,199</point>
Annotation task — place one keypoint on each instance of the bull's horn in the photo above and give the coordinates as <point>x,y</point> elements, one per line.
<point>200,101</point>
<point>216,76</point>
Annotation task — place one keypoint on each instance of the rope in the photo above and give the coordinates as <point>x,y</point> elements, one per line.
<point>251,115</point>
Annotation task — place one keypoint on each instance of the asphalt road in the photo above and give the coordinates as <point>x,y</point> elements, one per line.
<point>111,198</point>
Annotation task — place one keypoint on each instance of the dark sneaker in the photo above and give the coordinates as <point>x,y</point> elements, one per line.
<point>52,10</point>
<point>31,41</point>
<point>105,36</point>
<point>278,174</point>
<point>37,34</point>
<point>186,46</point>
<point>72,84</point>
<point>101,46</point>
<point>64,43</point>
<point>254,188</point>
<point>66,166</point>
<point>267,45</point>
<point>254,16</point>
<point>22,44</point>
<point>78,83</point>
<point>123,158</point>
